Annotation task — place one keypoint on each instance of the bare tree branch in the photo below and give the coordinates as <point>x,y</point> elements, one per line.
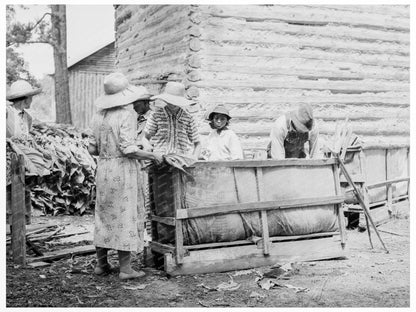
<point>38,22</point>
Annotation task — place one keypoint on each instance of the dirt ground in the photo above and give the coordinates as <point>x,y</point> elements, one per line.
<point>367,278</point>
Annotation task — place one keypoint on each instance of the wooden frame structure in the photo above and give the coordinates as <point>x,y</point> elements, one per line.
<point>179,258</point>
<point>382,204</point>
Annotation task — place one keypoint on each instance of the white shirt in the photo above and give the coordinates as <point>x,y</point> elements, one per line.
<point>223,146</point>
<point>18,123</point>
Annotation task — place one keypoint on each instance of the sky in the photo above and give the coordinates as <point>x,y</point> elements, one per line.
<point>89,27</point>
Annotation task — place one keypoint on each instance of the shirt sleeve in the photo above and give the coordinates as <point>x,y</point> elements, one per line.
<point>151,125</point>
<point>277,138</point>
<point>193,134</point>
<point>128,132</point>
<point>236,151</point>
<point>313,141</point>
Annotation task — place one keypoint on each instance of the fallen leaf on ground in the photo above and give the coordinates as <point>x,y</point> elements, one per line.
<point>205,286</point>
<point>203,304</point>
<point>297,289</point>
<point>228,286</point>
<point>136,287</point>
<point>243,272</point>
<point>266,283</point>
<point>257,295</point>
<point>287,267</point>
<point>274,272</point>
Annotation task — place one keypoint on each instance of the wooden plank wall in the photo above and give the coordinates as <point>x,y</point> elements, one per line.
<point>261,60</point>
<point>86,83</point>
<point>84,88</point>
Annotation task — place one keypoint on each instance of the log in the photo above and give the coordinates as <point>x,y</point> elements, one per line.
<point>55,255</point>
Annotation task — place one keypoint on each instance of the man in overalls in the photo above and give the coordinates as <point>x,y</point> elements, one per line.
<point>291,131</point>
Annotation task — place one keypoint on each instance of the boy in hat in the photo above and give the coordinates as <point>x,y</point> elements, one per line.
<point>222,143</point>
<point>171,129</point>
<point>18,120</point>
<point>291,131</point>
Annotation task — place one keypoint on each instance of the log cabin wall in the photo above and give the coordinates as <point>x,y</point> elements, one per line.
<point>262,60</point>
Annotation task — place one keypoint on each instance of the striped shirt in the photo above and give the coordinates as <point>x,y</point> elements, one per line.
<point>172,132</point>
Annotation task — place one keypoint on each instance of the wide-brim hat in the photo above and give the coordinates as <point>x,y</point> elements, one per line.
<point>118,92</point>
<point>219,109</point>
<point>302,118</point>
<point>174,94</point>
<point>20,89</point>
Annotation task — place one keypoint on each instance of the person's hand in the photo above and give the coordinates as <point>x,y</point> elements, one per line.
<point>147,146</point>
<point>158,159</point>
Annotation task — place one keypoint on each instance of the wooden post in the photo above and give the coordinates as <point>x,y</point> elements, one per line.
<point>366,198</point>
<point>264,221</point>
<point>18,207</point>
<point>177,194</point>
<point>340,212</point>
<point>390,199</point>
<point>361,201</point>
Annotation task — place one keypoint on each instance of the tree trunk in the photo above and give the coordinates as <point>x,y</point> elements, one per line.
<point>62,102</point>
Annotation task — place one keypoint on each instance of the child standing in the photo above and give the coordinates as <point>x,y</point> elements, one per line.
<point>222,143</point>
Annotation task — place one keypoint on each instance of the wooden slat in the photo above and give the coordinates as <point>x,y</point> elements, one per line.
<point>244,257</point>
<point>258,206</point>
<point>161,248</point>
<point>266,163</point>
<point>177,194</point>
<point>387,182</point>
<point>164,220</point>
<point>264,221</point>
<point>18,208</point>
<point>272,239</point>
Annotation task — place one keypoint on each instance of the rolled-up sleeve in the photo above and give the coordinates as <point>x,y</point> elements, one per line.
<point>128,132</point>
<point>277,138</point>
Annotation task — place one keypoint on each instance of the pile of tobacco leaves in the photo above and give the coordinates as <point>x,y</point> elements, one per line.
<point>59,171</point>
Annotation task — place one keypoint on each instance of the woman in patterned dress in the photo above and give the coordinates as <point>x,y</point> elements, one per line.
<point>119,210</point>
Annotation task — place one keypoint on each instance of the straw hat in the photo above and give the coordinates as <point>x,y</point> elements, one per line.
<point>303,118</point>
<point>119,92</point>
<point>174,94</point>
<point>219,109</point>
<point>21,88</point>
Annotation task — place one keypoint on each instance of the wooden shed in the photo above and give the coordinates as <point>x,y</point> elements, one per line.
<point>86,77</point>
<point>261,60</point>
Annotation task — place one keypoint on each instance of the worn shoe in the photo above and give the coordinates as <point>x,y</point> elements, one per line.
<point>133,274</point>
<point>103,270</point>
